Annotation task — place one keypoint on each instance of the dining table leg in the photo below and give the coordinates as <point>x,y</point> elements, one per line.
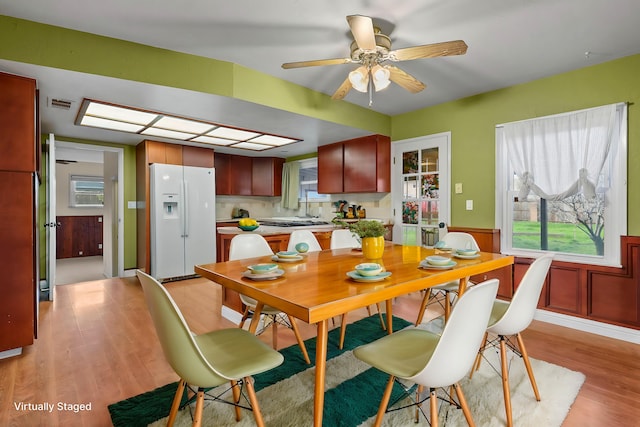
<point>389,304</point>
<point>255,319</point>
<point>321,365</point>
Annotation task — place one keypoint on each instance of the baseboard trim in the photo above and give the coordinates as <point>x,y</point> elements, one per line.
<point>586,325</point>
<point>231,314</point>
<point>10,353</point>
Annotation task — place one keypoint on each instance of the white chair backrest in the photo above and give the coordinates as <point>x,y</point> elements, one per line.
<point>343,239</point>
<point>248,246</point>
<point>457,240</point>
<point>523,305</point>
<point>461,338</point>
<point>300,236</point>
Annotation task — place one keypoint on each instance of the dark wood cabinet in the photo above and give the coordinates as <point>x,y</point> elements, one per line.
<point>79,236</point>
<point>361,165</point>
<point>18,220</point>
<point>266,176</point>
<point>248,176</point>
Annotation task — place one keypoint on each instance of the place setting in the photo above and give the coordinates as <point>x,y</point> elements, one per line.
<point>437,262</point>
<point>288,256</point>
<point>466,254</point>
<point>368,272</point>
<point>263,271</point>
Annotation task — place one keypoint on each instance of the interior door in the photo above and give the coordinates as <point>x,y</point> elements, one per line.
<point>421,183</point>
<point>51,224</point>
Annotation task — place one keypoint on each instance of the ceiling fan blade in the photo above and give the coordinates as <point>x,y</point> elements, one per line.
<point>404,80</point>
<point>455,47</point>
<point>342,91</point>
<point>317,62</point>
<point>362,30</point>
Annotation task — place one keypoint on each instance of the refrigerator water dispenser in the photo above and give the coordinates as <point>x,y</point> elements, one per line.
<point>170,206</point>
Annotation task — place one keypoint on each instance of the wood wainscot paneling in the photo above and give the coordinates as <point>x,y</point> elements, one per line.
<point>79,236</point>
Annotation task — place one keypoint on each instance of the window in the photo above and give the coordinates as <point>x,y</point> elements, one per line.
<point>86,191</point>
<point>561,185</point>
<point>308,190</point>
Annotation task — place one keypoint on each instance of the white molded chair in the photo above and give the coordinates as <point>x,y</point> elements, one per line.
<point>454,240</point>
<point>508,319</point>
<point>207,360</point>
<point>434,360</point>
<point>251,246</point>
<point>303,236</point>
<point>346,239</point>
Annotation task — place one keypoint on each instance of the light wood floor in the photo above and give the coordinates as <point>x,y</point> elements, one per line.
<point>96,345</point>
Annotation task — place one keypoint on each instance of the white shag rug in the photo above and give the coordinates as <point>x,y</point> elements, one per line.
<point>289,403</point>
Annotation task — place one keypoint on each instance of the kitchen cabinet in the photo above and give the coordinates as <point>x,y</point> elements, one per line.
<point>266,176</point>
<point>360,165</point>
<point>147,153</point>
<point>19,148</point>
<point>248,176</point>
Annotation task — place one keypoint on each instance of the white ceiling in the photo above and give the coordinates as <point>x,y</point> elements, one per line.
<point>510,42</point>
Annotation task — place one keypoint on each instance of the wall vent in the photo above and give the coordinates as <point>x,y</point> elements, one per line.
<point>60,103</point>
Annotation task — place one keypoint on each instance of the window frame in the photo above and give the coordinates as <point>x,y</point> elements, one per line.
<point>615,202</point>
<point>302,193</point>
<point>73,180</point>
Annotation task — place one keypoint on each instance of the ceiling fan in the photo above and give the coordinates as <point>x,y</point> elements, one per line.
<point>371,49</point>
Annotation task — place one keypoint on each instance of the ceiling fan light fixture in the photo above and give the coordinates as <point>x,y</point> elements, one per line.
<point>359,79</point>
<point>380,76</point>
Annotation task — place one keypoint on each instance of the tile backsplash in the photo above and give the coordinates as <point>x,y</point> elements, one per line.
<point>377,205</point>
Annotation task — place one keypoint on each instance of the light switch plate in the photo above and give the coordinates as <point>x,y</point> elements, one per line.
<point>458,188</point>
<point>469,205</point>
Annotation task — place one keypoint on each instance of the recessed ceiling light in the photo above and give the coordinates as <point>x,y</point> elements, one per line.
<point>144,122</point>
<point>229,133</point>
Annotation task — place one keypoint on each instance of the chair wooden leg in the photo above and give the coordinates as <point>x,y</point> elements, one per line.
<point>385,401</point>
<point>296,332</point>
<point>384,327</point>
<point>478,361</point>
<point>254,401</point>
<point>423,306</point>
<point>463,405</point>
<point>274,330</point>
<point>245,316</point>
<point>527,363</point>
<point>197,416</point>
<point>368,311</point>
<point>433,404</point>
<point>343,330</point>
<point>177,398</point>
<point>419,390</point>
<point>447,306</point>
<point>505,381</point>
<point>235,389</point>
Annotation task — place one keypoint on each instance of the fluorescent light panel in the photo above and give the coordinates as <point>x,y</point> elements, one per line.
<point>125,119</point>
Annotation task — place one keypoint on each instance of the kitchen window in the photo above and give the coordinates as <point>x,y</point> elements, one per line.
<point>561,185</point>
<point>308,191</point>
<point>86,191</point>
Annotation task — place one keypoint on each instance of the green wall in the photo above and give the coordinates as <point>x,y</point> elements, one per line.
<point>472,123</point>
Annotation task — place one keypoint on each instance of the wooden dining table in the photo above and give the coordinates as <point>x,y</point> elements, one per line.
<point>317,288</point>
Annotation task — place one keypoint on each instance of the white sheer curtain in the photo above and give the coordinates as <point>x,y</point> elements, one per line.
<point>558,156</point>
<point>290,185</point>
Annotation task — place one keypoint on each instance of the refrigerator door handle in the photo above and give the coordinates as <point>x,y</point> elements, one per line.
<point>185,192</point>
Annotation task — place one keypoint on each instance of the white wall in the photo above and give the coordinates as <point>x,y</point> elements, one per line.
<point>63,172</point>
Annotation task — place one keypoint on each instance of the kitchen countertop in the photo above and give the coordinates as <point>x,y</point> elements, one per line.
<point>269,230</point>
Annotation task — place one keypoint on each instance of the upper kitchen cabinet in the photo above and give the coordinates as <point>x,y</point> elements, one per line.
<point>19,123</point>
<point>266,177</point>
<point>360,165</point>
<point>248,176</point>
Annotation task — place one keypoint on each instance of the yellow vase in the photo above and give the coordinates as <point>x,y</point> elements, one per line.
<point>373,247</point>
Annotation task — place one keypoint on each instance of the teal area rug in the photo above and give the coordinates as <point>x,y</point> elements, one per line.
<point>354,390</point>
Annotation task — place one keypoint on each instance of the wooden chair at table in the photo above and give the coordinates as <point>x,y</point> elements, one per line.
<point>509,319</point>
<point>250,246</point>
<point>453,240</point>
<point>434,360</point>
<point>207,360</point>
<point>346,239</point>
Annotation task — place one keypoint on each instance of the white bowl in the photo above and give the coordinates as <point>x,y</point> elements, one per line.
<point>369,269</point>
<point>466,252</point>
<point>288,254</point>
<point>262,268</point>
<point>438,260</point>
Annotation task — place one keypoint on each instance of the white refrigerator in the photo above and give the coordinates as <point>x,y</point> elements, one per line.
<point>183,219</point>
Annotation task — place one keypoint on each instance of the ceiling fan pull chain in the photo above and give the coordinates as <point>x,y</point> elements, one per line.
<point>370,89</point>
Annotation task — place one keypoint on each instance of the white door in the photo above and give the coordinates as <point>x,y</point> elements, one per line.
<point>421,188</point>
<point>200,217</point>
<point>51,224</point>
